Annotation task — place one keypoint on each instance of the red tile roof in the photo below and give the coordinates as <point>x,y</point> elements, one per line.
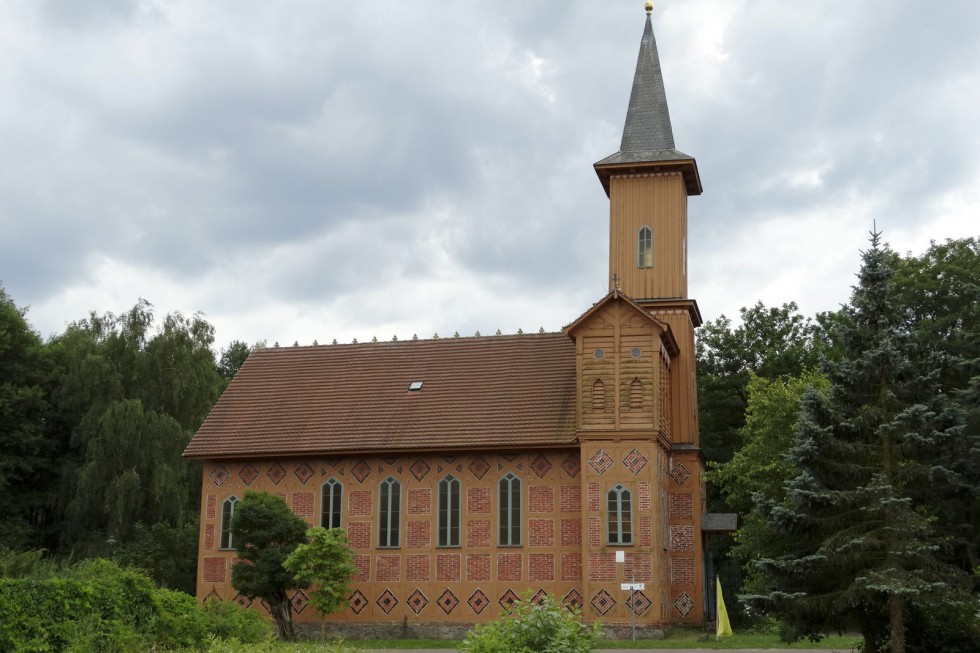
<point>494,392</point>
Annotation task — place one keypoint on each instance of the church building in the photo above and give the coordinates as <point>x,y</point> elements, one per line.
<point>469,471</point>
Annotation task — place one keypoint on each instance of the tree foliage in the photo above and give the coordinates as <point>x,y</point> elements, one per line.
<point>326,562</point>
<point>26,455</point>
<point>861,506</point>
<point>265,533</point>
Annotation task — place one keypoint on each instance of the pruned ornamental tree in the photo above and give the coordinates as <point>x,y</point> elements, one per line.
<point>869,455</point>
<point>265,533</point>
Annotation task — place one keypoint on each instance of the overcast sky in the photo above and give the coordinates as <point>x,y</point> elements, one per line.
<point>301,170</point>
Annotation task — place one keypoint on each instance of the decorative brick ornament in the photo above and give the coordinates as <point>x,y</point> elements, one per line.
<point>479,467</point>
<point>276,473</point>
<point>298,601</point>
<point>478,601</point>
<point>419,469</point>
<point>684,604</point>
<point>448,601</point>
<point>387,601</point>
<point>541,465</point>
<point>242,600</point>
<point>508,599</point>
<point>635,461</point>
<point>361,470</point>
<point>639,603</point>
<point>573,600</point>
<point>304,472</point>
<point>417,601</point>
<point>357,601</point>
<point>601,461</point>
<point>680,473</point>
<point>248,473</point>
<point>539,597</point>
<point>219,475</point>
<point>603,602</point>
<point>572,465</point>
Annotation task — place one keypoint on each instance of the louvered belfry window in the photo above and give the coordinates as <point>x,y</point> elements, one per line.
<point>636,395</point>
<point>598,396</point>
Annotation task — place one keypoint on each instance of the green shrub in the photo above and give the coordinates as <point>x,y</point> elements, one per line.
<point>546,626</point>
<point>101,608</point>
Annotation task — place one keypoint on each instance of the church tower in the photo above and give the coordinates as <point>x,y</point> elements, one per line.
<point>643,489</point>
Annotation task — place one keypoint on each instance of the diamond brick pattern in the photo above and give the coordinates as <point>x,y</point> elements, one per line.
<point>219,475</point>
<point>417,601</point>
<point>248,473</point>
<point>361,470</point>
<point>479,467</point>
<point>387,601</point>
<point>507,599</point>
<point>541,465</point>
<point>639,603</point>
<point>539,597</point>
<point>276,473</point>
<point>684,604</point>
<point>572,466</point>
<point>601,461</point>
<point>304,472</point>
<point>242,600</point>
<point>448,601</point>
<point>603,602</point>
<point>573,600</point>
<point>213,596</point>
<point>680,473</point>
<point>298,601</point>
<point>357,601</point>
<point>419,469</point>
<point>635,461</point>
<point>478,601</point>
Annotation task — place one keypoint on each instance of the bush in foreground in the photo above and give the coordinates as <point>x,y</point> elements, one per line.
<point>98,606</point>
<point>544,626</point>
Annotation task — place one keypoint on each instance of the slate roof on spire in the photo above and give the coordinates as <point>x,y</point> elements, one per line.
<point>647,134</point>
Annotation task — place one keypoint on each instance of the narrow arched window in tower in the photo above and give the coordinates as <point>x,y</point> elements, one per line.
<point>619,515</point>
<point>644,247</point>
<point>331,501</point>
<point>449,510</point>
<point>389,513</point>
<point>636,394</point>
<point>598,396</point>
<point>227,512</point>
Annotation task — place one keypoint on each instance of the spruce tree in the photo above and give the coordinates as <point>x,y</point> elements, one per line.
<point>868,452</point>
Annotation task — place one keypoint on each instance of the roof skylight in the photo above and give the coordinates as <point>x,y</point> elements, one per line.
<point>415,386</point>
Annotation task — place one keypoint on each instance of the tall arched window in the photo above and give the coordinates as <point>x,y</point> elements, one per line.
<point>620,515</point>
<point>644,247</point>
<point>389,514</point>
<point>227,512</point>
<point>509,495</point>
<point>449,511</point>
<point>331,501</point>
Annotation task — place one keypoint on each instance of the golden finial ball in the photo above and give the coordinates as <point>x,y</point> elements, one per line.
<point>648,6</point>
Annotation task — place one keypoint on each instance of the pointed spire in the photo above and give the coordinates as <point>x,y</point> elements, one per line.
<point>648,137</point>
<point>647,126</point>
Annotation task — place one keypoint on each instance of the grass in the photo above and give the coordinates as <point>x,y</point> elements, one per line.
<point>679,639</point>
